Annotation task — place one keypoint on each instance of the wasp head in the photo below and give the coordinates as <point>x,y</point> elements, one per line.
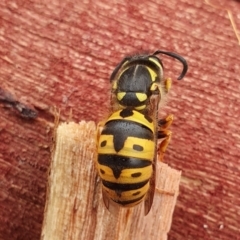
<point>134,77</point>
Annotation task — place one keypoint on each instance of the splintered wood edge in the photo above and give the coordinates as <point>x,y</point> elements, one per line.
<point>74,207</point>
<point>157,223</point>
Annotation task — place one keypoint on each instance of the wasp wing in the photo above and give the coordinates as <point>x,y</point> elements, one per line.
<point>149,197</point>
<point>153,111</point>
<point>111,206</point>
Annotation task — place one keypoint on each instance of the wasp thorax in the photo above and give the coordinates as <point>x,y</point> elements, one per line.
<point>134,86</point>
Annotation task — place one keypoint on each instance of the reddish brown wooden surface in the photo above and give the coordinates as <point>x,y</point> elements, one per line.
<point>61,53</point>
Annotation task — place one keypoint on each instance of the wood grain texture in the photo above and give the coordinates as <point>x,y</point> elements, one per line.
<point>61,53</point>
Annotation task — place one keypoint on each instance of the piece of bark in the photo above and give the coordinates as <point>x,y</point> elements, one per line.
<point>74,208</point>
<point>72,205</point>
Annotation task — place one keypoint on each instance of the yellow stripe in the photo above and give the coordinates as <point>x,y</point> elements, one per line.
<point>155,86</point>
<point>152,74</point>
<point>141,96</point>
<point>140,107</point>
<point>127,150</point>
<point>136,117</point>
<point>120,95</point>
<point>125,176</point>
<point>155,61</point>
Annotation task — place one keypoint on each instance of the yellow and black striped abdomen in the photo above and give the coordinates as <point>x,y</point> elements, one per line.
<point>125,154</point>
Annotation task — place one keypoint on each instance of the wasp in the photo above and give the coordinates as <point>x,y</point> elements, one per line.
<point>127,142</point>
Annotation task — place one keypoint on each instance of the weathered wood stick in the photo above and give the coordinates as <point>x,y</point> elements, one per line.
<point>74,209</point>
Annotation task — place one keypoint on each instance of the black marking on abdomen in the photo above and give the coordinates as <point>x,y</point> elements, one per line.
<point>136,193</point>
<point>129,201</point>
<point>137,147</point>
<point>103,143</point>
<point>124,187</point>
<point>118,163</point>
<point>137,174</point>
<point>122,129</point>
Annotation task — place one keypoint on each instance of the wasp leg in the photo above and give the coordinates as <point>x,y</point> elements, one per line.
<point>164,144</point>
<point>165,123</point>
<point>167,84</point>
<point>154,100</point>
<point>163,132</point>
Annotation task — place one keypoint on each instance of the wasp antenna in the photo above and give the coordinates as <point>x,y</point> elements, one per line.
<point>179,58</point>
